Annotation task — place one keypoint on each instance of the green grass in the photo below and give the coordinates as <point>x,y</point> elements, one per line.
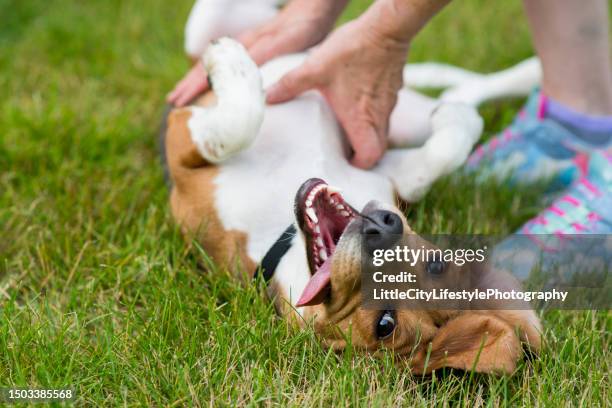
<point>97,290</point>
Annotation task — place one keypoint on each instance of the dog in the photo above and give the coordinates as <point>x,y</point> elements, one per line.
<point>269,189</point>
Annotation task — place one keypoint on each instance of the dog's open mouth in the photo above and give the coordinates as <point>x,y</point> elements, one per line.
<point>322,215</point>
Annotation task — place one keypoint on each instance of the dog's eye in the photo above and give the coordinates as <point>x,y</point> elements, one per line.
<point>385,325</point>
<point>435,267</point>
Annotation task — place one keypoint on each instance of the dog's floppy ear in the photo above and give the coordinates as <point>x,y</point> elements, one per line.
<point>485,343</point>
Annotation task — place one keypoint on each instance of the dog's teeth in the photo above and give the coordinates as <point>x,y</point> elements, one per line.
<point>323,255</point>
<point>309,203</point>
<point>311,214</point>
<point>332,189</point>
<point>345,213</point>
<point>313,194</point>
<point>317,229</point>
<point>319,242</point>
<point>339,207</point>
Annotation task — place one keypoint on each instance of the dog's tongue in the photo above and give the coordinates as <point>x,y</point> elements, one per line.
<point>317,287</point>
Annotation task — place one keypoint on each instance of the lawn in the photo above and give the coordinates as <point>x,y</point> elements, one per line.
<point>97,289</point>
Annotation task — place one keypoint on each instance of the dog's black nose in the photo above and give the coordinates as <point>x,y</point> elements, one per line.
<point>381,229</point>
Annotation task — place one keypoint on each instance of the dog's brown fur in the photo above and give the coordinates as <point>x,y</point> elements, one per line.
<point>191,198</point>
<point>486,341</point>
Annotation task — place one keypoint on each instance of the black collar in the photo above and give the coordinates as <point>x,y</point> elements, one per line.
<point>274,255</point>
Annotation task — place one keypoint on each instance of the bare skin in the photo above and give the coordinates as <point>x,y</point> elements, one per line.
<point>360,76</point>
<point>572,41</point>
<point>300,25</point>
<point>361,62</point>
<point>358,67</point>
<point>192,85</point>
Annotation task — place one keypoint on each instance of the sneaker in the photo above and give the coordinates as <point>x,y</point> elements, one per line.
<point>532,149</point>
<point>575,230</point>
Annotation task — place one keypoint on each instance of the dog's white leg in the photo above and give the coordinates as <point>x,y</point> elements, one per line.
<point>473,88</point>
<point>212,19</point>
<point>231,124</point>
<point>516,81</point>
<point>203,25</point>
<point>456,127</point>
<point>410,123</point>
<point>436,75</point>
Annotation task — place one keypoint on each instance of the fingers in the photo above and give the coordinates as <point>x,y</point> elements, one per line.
<point>292,84</point>
<point>186,91</point>
<point>254,41</point>
<point>175,93</point>
<point>193,84</point>
<point>265,45</point>
<point>190,92</point>
<point>264,49</point>
<point>249,37</point>
<point>368,145</point>
<point>261,42</point>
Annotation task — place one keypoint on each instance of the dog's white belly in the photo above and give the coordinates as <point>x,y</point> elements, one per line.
<point>255,189</point>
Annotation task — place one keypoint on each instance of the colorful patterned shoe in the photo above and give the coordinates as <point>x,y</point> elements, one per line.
<point>575,230</point>
<point>533,149</point>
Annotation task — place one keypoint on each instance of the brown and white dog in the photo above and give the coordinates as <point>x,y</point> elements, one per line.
<point>242,172</point>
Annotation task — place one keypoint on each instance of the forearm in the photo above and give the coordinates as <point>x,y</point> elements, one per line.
<point>400,20</point>
<point>328,9</point>
<point>336,7</point>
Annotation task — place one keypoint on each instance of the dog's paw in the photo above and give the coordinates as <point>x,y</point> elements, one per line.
<point>515,81</point>
<point>458,116</point>
<point>469,92</point>
<point>232,123</point>
<point>456,127</point>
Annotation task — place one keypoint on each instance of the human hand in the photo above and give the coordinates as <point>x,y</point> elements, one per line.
<point>359,72</point>
<point>300,25</point>
<point>193,84</point>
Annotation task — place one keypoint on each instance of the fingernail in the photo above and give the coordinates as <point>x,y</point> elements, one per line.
<point>274,95</point>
